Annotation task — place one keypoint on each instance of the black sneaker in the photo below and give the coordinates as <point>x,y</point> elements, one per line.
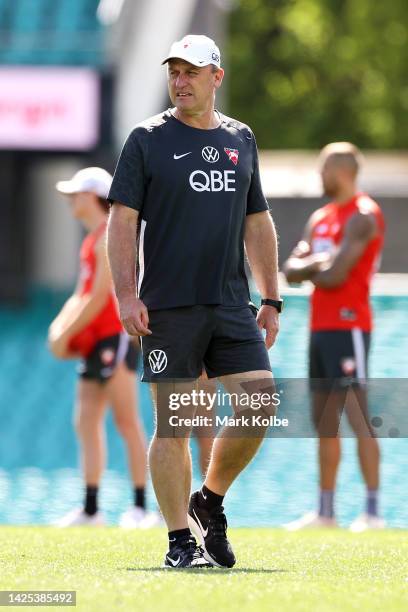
<point>186,554</point>
<point>210,527</point>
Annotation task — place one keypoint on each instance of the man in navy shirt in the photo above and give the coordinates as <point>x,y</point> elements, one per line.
<point>187,185</point>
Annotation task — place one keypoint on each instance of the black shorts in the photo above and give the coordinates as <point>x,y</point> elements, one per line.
<point>223,340</point>
<point>338,357</point>
<point>107,354</point>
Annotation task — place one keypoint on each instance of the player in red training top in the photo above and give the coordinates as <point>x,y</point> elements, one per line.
<point>339,253</point>
<point>88,326</point>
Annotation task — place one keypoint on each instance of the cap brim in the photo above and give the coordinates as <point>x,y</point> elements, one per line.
<point>190,60</point>
<point>66,187</point>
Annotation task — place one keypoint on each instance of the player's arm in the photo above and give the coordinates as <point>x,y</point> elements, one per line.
<point>65,313</point>
<point>262,251</point>
<point>302,264</point>
<point>89,306</point>
<point>122,228</point>
<point>57,346</point>
<point>82,309</point>
<point>359,231</point>
<point>61,322</point>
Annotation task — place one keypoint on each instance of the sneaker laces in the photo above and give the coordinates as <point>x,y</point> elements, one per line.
<point>218,522</point>
<point>190,546</point>
<point>198,552</point>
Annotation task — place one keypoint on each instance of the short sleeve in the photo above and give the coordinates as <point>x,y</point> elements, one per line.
<point>129,180</point>
<point>256,201</point>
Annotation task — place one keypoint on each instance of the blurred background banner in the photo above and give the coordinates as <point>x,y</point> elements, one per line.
<point>49,108</point>
<point>75,77</point>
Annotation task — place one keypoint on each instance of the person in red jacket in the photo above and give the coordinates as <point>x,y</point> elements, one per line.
<point>88,327</point>
<point>339,252</point>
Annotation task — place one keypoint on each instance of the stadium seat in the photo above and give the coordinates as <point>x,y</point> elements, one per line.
<point>45,32</point>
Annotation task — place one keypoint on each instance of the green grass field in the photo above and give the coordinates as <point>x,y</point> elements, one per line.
<point>112,569</point>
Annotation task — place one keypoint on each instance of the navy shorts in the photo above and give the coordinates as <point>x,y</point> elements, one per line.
<point>106,355</point>
<point>224,340</point>
<point>338,357</point>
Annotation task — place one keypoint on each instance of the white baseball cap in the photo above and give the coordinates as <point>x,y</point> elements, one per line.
<point>95,180</point>
<point>196,49</point>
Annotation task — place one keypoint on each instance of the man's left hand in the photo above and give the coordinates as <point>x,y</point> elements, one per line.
<point>268,319</point>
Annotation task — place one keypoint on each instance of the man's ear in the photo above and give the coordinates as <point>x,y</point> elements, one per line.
<point>218,77</point>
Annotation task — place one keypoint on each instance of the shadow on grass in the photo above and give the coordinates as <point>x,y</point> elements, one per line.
<point>209,570</point>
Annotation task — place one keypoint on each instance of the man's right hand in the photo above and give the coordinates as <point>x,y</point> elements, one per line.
<point>134,316</point>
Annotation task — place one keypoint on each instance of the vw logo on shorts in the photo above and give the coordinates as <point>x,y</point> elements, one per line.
<point>210,155</point>
<point>157,361</point>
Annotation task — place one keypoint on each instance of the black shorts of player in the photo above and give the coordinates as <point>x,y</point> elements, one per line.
<point>338,358</point>
<point>224,340</point>
<point>101,363</point>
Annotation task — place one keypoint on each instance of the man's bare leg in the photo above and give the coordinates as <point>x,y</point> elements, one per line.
<point>205,435</point>
<point>230,455</point>
<point>170,468</point>
<point>368,449</point>
<point>122,395</point>
<point>329,460</point>
<point>90,406</point>
<point>369,457</point>
<point>327,411</point>
<point>327,408</point>
<point>90,409</point>
<point>205,446</point>
<point>232,451</point>
<point>367,444</point>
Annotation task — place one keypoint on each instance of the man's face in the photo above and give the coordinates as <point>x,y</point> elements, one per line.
<point>331,177</point>
<point>191,89</point>
<point>80,203</point>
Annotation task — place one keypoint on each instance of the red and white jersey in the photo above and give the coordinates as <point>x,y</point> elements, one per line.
<point>347,305</point>
<point>107,322</point>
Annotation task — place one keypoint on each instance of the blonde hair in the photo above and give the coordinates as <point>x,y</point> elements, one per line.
<point>344,154</point>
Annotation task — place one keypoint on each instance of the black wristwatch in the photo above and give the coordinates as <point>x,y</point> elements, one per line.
<point>278,304</point>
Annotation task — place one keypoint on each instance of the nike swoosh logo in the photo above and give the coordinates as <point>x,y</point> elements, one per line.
<point>203,531</point>
<point>174,562</point>
<point>182,155</point>
<point>173,540</point>
<point>205,497</point>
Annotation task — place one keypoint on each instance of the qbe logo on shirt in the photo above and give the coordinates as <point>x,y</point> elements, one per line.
<point>157,361</point>
<point>215,180</point>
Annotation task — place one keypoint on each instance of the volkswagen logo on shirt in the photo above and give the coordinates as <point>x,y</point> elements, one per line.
<point>157,361</point>
<point>210,155</point>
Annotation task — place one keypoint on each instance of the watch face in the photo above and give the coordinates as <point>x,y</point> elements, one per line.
<point>279,305</point>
